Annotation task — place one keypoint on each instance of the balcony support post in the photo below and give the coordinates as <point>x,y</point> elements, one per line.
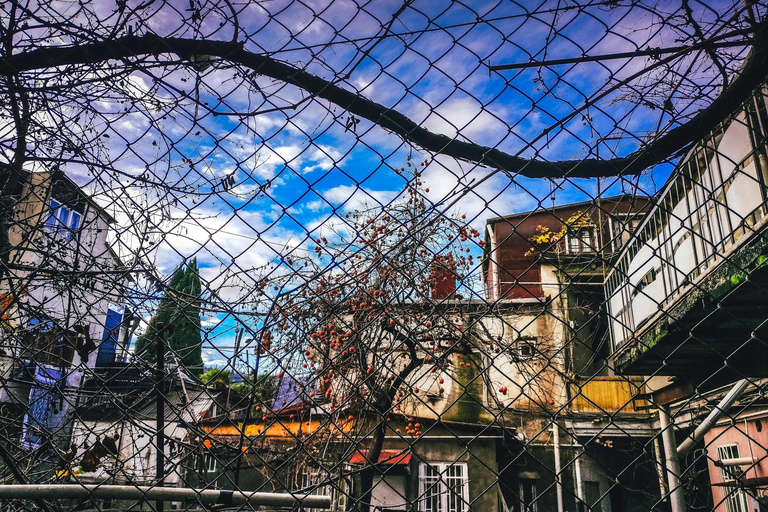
<point>676,493</point>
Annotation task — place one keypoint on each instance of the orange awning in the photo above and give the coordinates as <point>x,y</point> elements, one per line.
<point>389,457</point>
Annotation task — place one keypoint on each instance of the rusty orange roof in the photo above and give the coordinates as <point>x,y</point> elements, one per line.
<point>389,457</point>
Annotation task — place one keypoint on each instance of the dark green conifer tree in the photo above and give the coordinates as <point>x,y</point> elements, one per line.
<point>179,312</point>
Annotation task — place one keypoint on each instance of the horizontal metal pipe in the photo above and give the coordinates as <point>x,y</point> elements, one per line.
<point>742,417</point>
<point>743,461</point>
<point>429,438</point>
<point>133,492</point>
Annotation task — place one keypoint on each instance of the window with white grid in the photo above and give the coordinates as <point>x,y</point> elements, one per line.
<point>582,239</point>
<point>736,499</point>
<point>443,487</point>
<point>309,479</point>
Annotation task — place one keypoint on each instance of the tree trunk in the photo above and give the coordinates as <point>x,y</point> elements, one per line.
<point>382,407</point>
<point>367,474</point>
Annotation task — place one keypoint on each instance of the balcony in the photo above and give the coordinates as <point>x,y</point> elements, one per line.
<point>715,332</point>
<point>609,406</point>
<point>606,395</point>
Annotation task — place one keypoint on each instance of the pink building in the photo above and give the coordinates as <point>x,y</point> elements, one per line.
<point>737,453</point>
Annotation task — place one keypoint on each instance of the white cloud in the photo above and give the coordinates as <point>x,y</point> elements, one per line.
<point>355,197</point>
<point>314,206</point>
<point>467,118</point>
<point>449,180</point>
<point>322,158</point>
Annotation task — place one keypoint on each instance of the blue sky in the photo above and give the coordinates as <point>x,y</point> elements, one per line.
<point>297,167</point>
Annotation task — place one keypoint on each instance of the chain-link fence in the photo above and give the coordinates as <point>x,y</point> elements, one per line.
<point>394,256</point>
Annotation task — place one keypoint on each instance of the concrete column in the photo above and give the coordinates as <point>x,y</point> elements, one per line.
<point>558,467</point>
<point>676,494</point>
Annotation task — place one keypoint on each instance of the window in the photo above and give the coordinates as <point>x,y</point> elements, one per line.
<point>346,489</point>
<point>593,496</point>
<point>62,220</point>
<point>108,347</point>
<point>623,226</point>
<point>528,495</point>
<point>735,498</point>
<point>443,488</point>
<point>314,481</point>
<point>47,344</point>
<point>524,348</point>
<point>582,239</point>
<point>209,461</point>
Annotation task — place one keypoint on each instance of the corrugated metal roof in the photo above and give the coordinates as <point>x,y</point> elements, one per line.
<point>178,408</point>
<point>294,391</point>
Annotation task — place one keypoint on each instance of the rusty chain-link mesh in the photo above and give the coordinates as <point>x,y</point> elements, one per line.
<point>412,256</point>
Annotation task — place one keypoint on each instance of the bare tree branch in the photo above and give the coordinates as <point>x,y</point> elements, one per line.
<point>663,148</point>
<point>700,36</point>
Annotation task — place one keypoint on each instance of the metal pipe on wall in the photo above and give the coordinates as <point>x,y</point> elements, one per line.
<point>579,484</point>
<point>160,410</point>
<point>663,490</point>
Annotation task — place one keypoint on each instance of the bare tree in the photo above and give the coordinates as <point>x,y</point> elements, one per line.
<point>374,312</point>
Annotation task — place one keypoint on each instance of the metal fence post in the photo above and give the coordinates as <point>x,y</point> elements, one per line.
<point>160,403</point>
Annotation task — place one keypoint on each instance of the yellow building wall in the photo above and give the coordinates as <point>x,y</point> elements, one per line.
<point>606,394</point>
<point>278,429</point>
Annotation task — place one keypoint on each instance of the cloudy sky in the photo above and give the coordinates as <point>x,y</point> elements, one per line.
<point>239,170</point>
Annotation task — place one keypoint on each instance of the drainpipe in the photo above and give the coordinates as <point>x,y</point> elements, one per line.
<point>579,485</point>
<point>734,394</point>
<point>660,469</point>
<point>558,475</point>
<point>676,496</point>
<point>580,504</point>
<point>741,461</point>
<point>238,336</point>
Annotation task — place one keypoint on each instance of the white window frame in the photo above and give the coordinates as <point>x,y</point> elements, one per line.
<point>435,486</point>
<point>577,244</point>
<point>346,489</point>
<point>534,505</point>
<point>209,462</point>
<point>62,219</point>
<point>307,480</point>
<point>735,498</point>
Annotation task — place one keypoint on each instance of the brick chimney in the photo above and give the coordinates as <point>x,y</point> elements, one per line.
<point>442,278</point>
